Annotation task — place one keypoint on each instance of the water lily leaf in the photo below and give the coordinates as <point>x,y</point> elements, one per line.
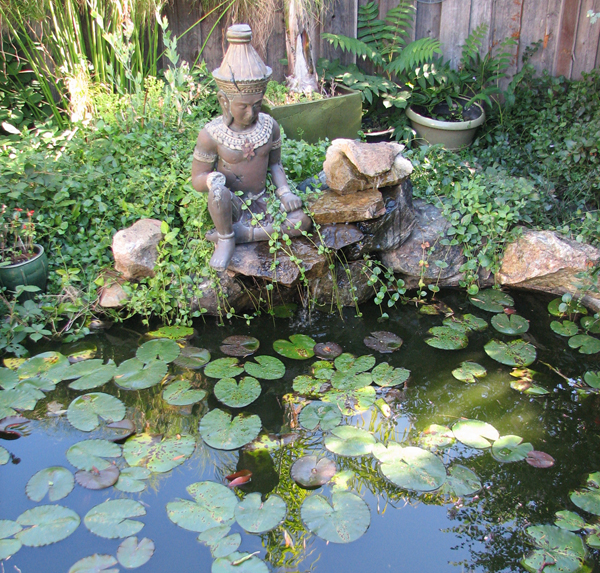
<point>235,395</point>
<point>8,378</point>
<point>528,387</point>
<point>223,368</point>
<point>513,353</point>
<point>327,350</point>
<point>569,520</point>
<point>387,376</point>
<point>590,324</point>
<point>85,412</point>
<point>240,345</point>
<point>510,324</point>
<point>308,386</point>
<point>587,344</point>
<point>48,365</point>
<point>475,434</point>
<point>587,499</point>
<point>90,374</point>
<point>469,372</point>
<point>350,441</point>
<point>98,479</point>
<point>299,347</point>
<point>55,481</point>
<point>466,323</point>
<point>225,546</point>
<point>13,363</point>
<point>384,342</point>
<point>115,432</point>
<point>97,563</point>
<point>213,506</point>
<point>158,455</point>
<point>447,338</point>
<point>320,414</point>
<point>558,307</point>
<point>268,368</point>
<point>350,381</point>
<point>350,364</point>
<point>19,398</point>
<point>343,520</point>
<point>436,436</point>
<point>112,519</point>
<point>257,516</point>
<point>592,379</point>
<point>563,550</point>
<point>539,459</point>
<point>131,480</point>
<point>221,432</point>
<point>214,534</point>
<point>492,300</point>
<point>312,471</point>
<point>4,456</point>
<point>134,374</point>
<point>159,349</point>
<point>132,554</point>
<point>510,449</point>
<point>90,454</point>
<point>237,562</point>
<point>593,540</point>
<point>46,524</point>
<point>172,332</point>
<point>181,393</point>
<point>8,547</point>
<point>192,357</point>
<point>410,467</point>
<point>565,328</point>
<point>351,402</point>
<point>461,481</point>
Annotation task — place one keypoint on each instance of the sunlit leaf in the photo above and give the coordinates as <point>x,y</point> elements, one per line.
<point>308,386</point>
<point>131,480</point>
<point>225,546</point>
<point>86,411</point>
<point>90,454</point>
<point>132,554</point>
<point>172,332</point>
<point>97,563</point>
<point>569,520</point>
<point>562,550</point>
<point>350,441</point>
<point>350,364</point>
<point>159,349</point>
<point>49,365</point>
<point>181,393</point>
<point>475,433</point>
<point>513,353</point>
<point>8,546</point>
<point>134,374</point>
<point>492,300</point>
<point>55,481</point>
<point>510,324</point>
<point>223,368</point>
<point>351,401</point>
<point>257,516</point>
<point>436,436</point>
<point>510,449</point>
<point>46,524</point>
<point>268,368</point>
<point>219,430</point>
<point>320,414</point>
<point>156,454</point>
<point>387,376</point>
<point>465,323</point>
<point>312,471</point>
<point>469,372</point>
<point>4,456</point>
<point>298,347</point>
<point>237,562</point>
<point>461,481</point>
<point>528,387</point>
<point>237,395</point>
<point>348,381</point>
<point>112,519</point>
<point>447,338</point>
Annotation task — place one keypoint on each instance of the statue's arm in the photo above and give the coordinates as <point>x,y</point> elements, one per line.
<point>204,162</point>
<point>289,200</point>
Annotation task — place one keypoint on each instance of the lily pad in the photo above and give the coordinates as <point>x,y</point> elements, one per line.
<point>343,520</point>
<point>466,323</point>
<point>492,300</point>
<point>383,341</point>
<point>513,353</point>
<point>90,454</point>
<point>132,554</point>
<point>569,520</point>
<point>46,524</point>
<point>8,378</point>
<point>192,357</point>
<point>55,481</point>
<point>387,376</point>
<point>585,343</point>
<point>132,480</point>
<point>320,414</point>
<point>156,454</point>
<point>469,372</point>
<point>223,368</point>
<point>257,516</point>
<point>225,546</point>
<point>240,345</point>
<point>590,324</point>
<point>308,386</point>
<point>8,547</point>
<point>564,328</point>
<point>510,323</point>
<point>221,432</point>
<point>237,562</point>
<point>116,432</point>
<point>539,459</point>
<point>19,398</point>
<point>563,550</point>
<point>528,387</point>
<point>350,364</point>
<point>592,379</point>
<point>475,434</point>
<point>97,479</point>
<point>351,402</point>
<point>447,338</point>
<point>350,441</point>
<point>85,412</point>
<point>4,456</point>
<point>159,349</point>
<point>49,365</point>
<point>112,519</point>
<point>436,436</point>
<point>298,347</point>
<point>327,350</point>
<point>461,481</point>
<point>268,368</point>
<point>181,393</point>
<point>172,332</point>
<point>350,381</point>
<point>587,499</point>
<point>134,374</point>
<point>563,306</point>
<point>237,395</point>
<point>312,471</point>
<point>510,449</point>
<point>97,563</point>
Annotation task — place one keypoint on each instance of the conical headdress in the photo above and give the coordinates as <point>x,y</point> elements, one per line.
<point>242,70</point>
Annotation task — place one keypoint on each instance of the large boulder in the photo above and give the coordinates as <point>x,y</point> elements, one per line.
<point>347,286</point>
<point>135,249</point>
<point>330,207</point>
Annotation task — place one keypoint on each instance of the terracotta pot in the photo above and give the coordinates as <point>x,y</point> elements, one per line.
<point>32,272</point>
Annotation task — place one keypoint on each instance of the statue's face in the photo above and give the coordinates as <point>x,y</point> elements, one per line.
<point>244,110</point>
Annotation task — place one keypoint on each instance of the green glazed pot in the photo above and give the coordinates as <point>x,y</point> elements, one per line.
<point>33,272</point>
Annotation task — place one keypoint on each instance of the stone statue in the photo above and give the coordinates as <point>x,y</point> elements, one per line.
<point>234,152</point>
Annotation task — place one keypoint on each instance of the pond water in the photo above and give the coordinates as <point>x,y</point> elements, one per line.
<point>403,529</point>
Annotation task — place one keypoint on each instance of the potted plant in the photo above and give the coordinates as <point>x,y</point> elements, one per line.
<point>22,261</point>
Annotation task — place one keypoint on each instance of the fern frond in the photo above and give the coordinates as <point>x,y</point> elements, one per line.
<point>356,47</point>
<point>414,55</point>
<point>472,45</point>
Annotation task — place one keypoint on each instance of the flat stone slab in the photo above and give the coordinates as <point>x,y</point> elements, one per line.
<point>333,208</point>
<point>339,235</point>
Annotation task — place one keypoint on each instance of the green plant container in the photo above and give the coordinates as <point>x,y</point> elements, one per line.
<point>334,117</point>
<point>33,272</point>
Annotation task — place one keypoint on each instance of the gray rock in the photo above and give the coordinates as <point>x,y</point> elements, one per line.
<point>219,299</point>
<point>350,280</point>
<point>135,250</point>
<point>338,235</point>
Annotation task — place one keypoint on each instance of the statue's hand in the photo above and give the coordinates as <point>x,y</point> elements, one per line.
<point>289,201</point>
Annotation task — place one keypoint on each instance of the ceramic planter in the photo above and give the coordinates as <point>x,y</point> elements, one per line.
<point>338,116</point>
<point>32,272</point>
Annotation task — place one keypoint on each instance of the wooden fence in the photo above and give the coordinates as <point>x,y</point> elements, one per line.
<point>568,42</point>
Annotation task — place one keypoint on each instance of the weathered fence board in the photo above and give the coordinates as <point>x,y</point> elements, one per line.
<point>586,39</point>
<point>454,28</point>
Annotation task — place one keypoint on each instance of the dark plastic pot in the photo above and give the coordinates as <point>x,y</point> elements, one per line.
<point>32,272</point>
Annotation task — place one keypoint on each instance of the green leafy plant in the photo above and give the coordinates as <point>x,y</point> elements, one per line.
<point>16,236</point>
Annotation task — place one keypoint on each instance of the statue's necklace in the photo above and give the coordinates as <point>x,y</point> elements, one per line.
<point>245,142</point>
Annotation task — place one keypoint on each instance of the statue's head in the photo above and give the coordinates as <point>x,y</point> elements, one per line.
<point>242,78</point>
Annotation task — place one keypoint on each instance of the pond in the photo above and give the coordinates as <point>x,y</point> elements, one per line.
<point>427,470</point>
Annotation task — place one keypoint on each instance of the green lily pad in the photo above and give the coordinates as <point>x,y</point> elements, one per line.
<point>587,499</point>
<point>592,379</point>
<point>214,534</point>
<point>8,378</point>
<point>4,456</point>
<point>590,324</point>
<point>156,454</point>
<point>410,467</point>
<point>48,365</point>
<point>466,323</point>
<point>436,436</point>
<point>492,300</point>
<point>569,520</point>
<point>8,547</point>
<point>237,562</point>
<point>350,364</point>
<point>320,414</point>
<point>387,376</point>
<point>513,353</point>
<point>323,370</point>
<point>351,402</point>
<point>132,554</point>
<point>447,338</point>
<point>587,344</point>
<point>181,393</point>
<point>257,516</point>
<point>461,481</point>
<point>475,434</point>
<point>528,387</point>
<point>563,550</point>
<point>268,368</point>
<point>223,368</point>
<point>351,381</point>
<point>298,347</point>
<point>312,471</point>
<point>510,323</point>
<point>192,357</point>
<point>159,349</point>
<point>221,432</point>
<point>172,332</point>
<point>240,345</point>
<point>593,540</point>
<point>112,519</point>
<point>225,546</point>
<point>235,395</point>
<point>131,480</point>
<point>90,454</point>
<point>308,386</point>
<point>213,506</point>
<point>564,328</point>
<point>559,307</point>
<point>91,374</point>
<point>19,398</point>
<point>350,441</point>
<point>46,524</point>
<point>134,374</point>
<point>85,412</point>
<point>97,479</point>
<point>56,481</point>
<point>383,341</point>
<point>97,563</point>
<point>469,372</point>
<point>510,449</point>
